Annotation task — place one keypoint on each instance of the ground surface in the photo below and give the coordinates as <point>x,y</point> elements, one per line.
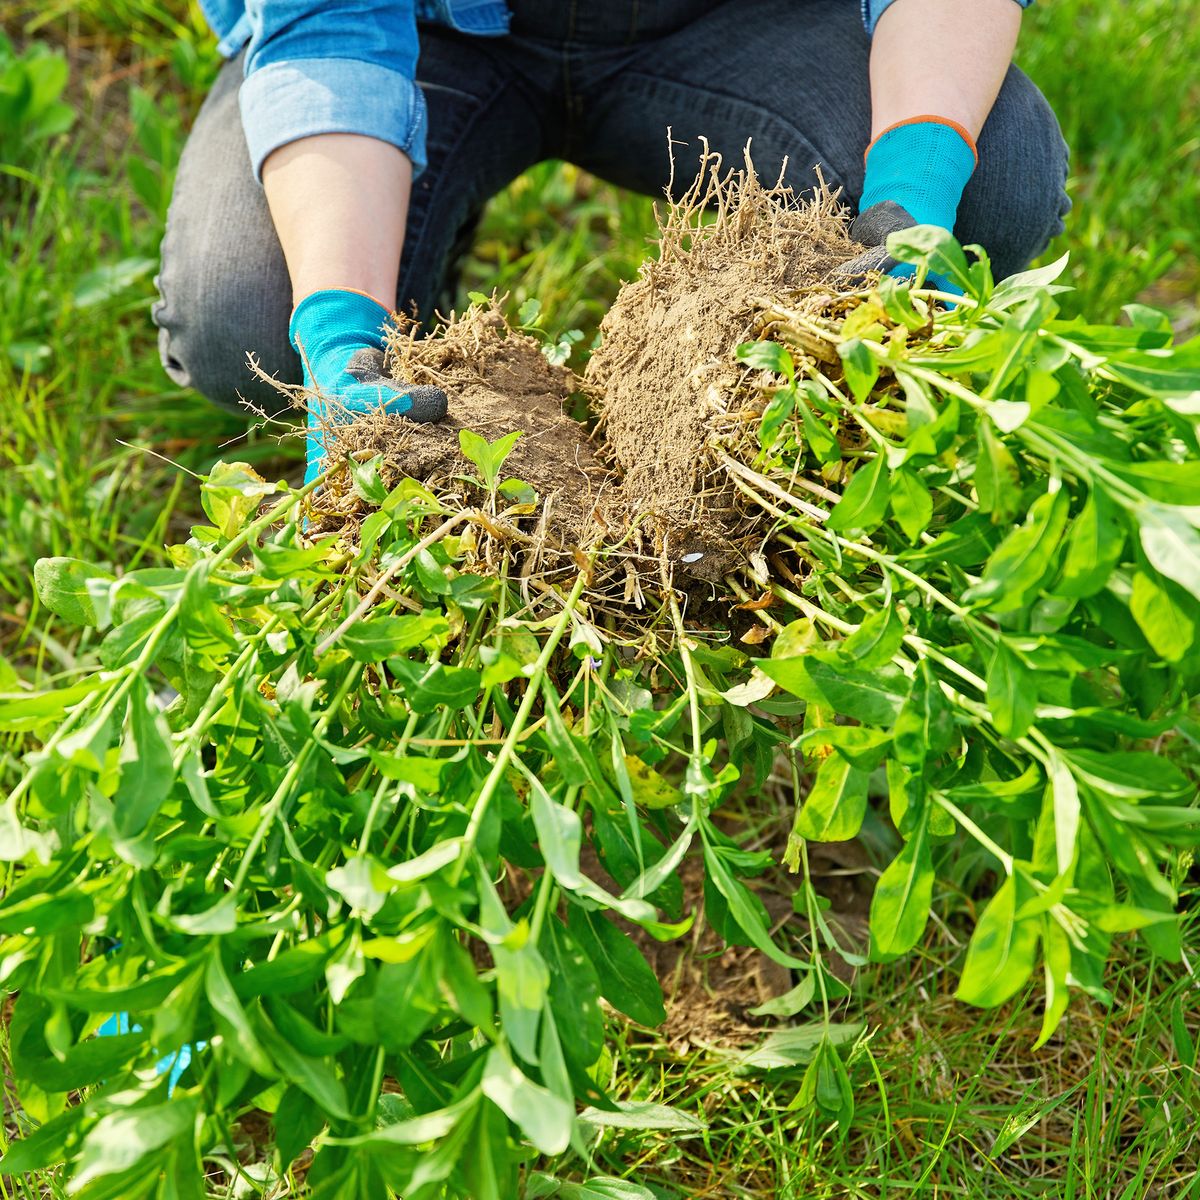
<point>951,1102</point>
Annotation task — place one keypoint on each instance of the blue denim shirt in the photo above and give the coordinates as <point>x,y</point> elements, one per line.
<point>302,79</point>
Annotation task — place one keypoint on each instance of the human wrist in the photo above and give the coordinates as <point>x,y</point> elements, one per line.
<point>922,164</point>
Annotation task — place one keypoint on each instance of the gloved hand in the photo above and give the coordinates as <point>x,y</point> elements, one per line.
<point>916,173</point>
<point>339,335</point>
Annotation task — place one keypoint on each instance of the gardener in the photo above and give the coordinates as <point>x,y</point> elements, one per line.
<point>330,177</point>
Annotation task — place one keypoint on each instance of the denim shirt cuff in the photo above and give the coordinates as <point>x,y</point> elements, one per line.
<point>872,10</point>
<point>283,101</point>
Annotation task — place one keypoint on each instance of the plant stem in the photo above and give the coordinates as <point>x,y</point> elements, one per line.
<point>271,808</point>
<point>389,574</point>
<point>504,756</point>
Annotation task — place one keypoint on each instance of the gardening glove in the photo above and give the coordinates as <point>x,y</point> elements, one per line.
<point>916,173</point>
<point>339,335</point>
<point>172,1066</point>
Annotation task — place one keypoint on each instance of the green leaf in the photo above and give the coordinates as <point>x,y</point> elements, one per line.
<point>123,1139</point>
<point>1056,956</point>
<point>1065,795</point>
<point>1158,372</point>
<point>522,977</point>
<point>744,908</point>
<point>832,1091</point>
<point>864,748</point>
<point>313,1076</point>
<point>24,711</point>
<point>487,456</point>
<point>297,1121</point>
<point>1093,548</point>
<point>781,407</point>
<point>642,1114</point>
<point>544,1118</point>
<point>44,912</point>
<point>767,356</point>
<point>626,980</point>
<point>1161,611</point>
<point>1171,544</point>
<point>429,688</point>
<point>938,246</point>
<point>109,280</point>
<point>836,805</point>
<point>876,641</point>
<point>146,762</point>
<point>1001,952</point>
<point>574,993</point>
<point>912,505</point>
<point>364,478</point>
<point>231,494</point>
<point>874,697</point>
<point>791,1002</point>
<point>865,500</point>
<point>1129,774</point>
<point>472,1000</point>
<point>225,1002</point>
<point>925,725</point>
<point>44,1147</point>
<point>997,476</point>
<point>286,562</point>
<point>1011,692</point>
<point>860,366</point>
<point>602,1187</point>
<point>74,590</point>
<point>425,1128</point>
<point>206,630</point>
<point>1019,565</point>
<point>794,1046</point>
<point>817,435</point>
<point>900,905</point>
<point>375,638</point>
<point>560,838</point>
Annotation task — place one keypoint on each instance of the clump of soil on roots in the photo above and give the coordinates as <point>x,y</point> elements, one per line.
<point>497,381</point>
<point>669,385</point>
<point>646,500</point>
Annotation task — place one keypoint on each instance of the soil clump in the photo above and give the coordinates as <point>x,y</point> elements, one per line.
<point>668,384</point>
<point>646,499</point>
<point>497,381</point>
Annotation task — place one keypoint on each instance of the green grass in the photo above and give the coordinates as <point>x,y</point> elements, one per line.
<point>1104,1112</point>
<point>1110,1102</point>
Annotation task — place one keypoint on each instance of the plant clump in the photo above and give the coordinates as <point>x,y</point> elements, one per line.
<point>965,623</point>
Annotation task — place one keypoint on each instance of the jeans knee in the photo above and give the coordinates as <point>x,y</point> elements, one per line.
<point>208,332</point>
<point>1016,203</point>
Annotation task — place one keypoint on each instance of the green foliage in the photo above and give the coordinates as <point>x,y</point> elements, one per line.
<point>292,868</point>
<point>31,109</point>
<point>1013,640</point>
<point>1121,79</point>
<point>298,868</point>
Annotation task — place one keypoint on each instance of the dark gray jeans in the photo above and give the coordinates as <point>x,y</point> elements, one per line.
<point>598,85</point>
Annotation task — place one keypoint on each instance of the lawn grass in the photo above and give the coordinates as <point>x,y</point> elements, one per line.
<point>1106,1110</point>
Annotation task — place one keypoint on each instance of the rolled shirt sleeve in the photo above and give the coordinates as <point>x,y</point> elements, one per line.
<point>872,10</point>
<point>346,67</point>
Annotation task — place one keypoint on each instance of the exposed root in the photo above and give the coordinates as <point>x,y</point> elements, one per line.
<point>663,493</point>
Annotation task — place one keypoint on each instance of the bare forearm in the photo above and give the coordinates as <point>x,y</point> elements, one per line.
<point>944,58</point>
<point>339,202</point>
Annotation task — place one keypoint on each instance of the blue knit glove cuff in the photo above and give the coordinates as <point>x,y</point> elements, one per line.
<point>340,338</point>
<point>327,327</point>
<point>923,166</point>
